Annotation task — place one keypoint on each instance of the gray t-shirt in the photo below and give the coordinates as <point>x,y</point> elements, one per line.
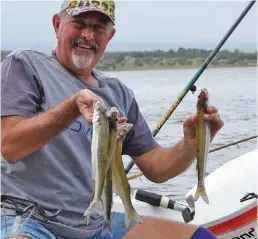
<point>58,176</point>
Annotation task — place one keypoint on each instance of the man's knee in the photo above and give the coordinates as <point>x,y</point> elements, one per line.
<point>160,228</point>
<point>202,232</point>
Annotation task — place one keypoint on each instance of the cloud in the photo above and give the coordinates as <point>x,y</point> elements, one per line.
<point>29,23</point>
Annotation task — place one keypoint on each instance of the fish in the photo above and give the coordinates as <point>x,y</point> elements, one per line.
<point>203,144</point>
<point>119,179</point>
<point>107,194</point>
<point>113,116</point>
<point>99,152</point>
<point>107,198</point>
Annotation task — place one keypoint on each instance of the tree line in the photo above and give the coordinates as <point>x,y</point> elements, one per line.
<point>159,59</point>
<point>180,58</point>
<point>189,53</point>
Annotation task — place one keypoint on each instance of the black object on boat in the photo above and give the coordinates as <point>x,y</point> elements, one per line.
<point>165,202</point>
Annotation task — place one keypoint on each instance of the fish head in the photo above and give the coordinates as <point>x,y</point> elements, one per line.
<point>99,106</point>
<point>203,95</point>
<point>123,129</point>
<point>113,114</point>
<point>98,110</point>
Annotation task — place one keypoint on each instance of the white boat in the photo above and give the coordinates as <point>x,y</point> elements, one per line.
<point>232,209</point>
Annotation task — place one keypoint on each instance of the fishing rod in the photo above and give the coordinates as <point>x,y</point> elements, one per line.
<point>190,85</point>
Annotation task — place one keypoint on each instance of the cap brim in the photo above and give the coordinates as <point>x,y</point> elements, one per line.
<point>89,9</point>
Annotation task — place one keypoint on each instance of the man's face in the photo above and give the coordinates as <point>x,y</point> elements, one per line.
<point>82,39</point>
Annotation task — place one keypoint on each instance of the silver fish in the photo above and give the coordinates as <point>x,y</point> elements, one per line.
<point>113,116</point>
<point>107,194</point>
<point>120,182</point>
<point>203,144</point>
<point>99,151</point>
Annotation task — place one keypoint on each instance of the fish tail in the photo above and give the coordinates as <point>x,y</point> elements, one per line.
<point>201,192</point>
<point>137,217</point>
<point>132,214</point>
<point>107,229</point>
<point>96,206</point>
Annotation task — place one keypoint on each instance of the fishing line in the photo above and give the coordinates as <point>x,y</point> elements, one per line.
<point>210,151</point>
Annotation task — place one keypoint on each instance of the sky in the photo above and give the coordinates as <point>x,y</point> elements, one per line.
<point>140,25</point>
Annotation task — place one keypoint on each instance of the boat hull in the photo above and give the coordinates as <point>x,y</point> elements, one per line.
<point>226,215</point>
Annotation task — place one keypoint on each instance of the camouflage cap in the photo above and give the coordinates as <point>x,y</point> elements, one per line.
<point>75,7</point>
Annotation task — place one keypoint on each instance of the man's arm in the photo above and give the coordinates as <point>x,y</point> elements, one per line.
<point>161,164</point>
<point>158,164</point>
<point>24,129</point>
<point>22,136</point>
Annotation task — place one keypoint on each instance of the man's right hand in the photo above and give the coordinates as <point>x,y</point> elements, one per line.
<point>85,100</point>
<point>22,136</point>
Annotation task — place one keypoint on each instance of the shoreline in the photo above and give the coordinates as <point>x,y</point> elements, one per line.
<point>189,67</point>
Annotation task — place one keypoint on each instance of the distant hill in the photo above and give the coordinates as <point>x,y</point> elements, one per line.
<point>172,59</point>
<point>247,46</point>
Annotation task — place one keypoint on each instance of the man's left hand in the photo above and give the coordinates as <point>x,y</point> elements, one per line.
<point>216,124</point>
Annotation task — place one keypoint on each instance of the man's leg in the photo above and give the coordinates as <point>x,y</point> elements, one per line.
<point>165,229</point>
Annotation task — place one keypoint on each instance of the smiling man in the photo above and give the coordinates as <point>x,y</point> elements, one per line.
<point>83,32</point>
<point>46,116</point>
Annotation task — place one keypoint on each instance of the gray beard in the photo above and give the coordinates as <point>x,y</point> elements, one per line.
<point>82,61</point>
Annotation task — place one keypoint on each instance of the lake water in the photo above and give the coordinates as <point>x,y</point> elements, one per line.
<point>232,90</point>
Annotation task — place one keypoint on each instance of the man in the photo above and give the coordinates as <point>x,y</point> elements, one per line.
<point>46,141</point>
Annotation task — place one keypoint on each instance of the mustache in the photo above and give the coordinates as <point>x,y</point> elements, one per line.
<point>81,40</point>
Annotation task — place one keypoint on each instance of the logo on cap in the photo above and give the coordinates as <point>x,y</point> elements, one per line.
<point>75,7</point>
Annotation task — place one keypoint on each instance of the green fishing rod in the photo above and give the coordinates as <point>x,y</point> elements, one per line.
<point>195,77</point>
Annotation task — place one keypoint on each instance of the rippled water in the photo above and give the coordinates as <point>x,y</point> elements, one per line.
<point>232,90</point>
